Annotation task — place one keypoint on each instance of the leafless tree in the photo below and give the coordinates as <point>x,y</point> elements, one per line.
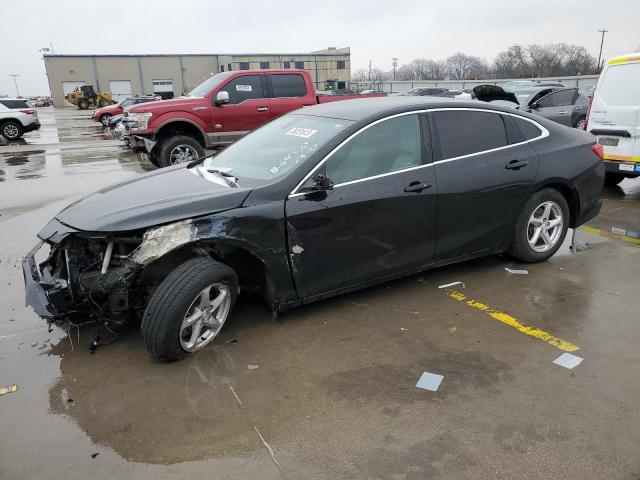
<point>360,75</point>
<point>577,61</point>
<point>462,67</point>
<point>512,63</point>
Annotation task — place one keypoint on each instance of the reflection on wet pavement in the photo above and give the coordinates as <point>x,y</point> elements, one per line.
<point>334,393</point>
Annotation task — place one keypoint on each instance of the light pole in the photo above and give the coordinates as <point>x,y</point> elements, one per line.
<point>394,63</point>
<point>15,82</point>
<point>603,31</point>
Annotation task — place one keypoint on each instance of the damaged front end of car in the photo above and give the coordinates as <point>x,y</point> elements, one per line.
<point>84,277</point>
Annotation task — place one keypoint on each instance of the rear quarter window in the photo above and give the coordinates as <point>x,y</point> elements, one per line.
<point>528,129</point>
<point>15,103</point>
<point>620,85</point>
<point>467,132</point>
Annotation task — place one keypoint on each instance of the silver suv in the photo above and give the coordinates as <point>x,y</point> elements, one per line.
<point>17,118</point>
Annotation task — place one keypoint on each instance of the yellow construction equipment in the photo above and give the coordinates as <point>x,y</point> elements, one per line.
<point>85,96</point>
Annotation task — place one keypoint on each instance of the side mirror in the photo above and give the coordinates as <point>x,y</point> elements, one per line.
<point>320,182</point>
<point>222,98</point>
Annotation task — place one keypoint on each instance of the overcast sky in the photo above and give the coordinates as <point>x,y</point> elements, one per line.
<point>375,30</point>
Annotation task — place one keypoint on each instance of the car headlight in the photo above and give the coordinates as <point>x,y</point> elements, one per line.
<point>141,119</point>
<point>160,240</point>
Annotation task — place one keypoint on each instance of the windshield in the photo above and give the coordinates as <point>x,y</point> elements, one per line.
<point>277,147</point>
<point>208,85</point>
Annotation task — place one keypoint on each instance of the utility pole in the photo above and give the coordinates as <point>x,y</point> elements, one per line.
<point>603,31</point>
<point>15,82</point>
<point>394,63</point>
<point>369,70</point>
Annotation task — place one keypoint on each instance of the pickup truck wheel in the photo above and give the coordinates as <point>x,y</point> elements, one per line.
<point>189,308</point>
<point>104,119</point>
<point>541,226</point>
<point>178,149</point>
<point>11,130</point>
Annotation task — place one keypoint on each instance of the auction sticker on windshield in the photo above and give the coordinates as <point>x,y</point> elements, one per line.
<point>243,88</point>
<point>301,132</point>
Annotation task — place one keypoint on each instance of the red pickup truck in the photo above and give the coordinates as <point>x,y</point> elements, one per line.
<point>219,111</point>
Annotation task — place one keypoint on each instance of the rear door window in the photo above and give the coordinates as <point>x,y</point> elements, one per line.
<point>243,88</point>
<point>465,132</point>
<point>15,103</point>
<point>287,86</point>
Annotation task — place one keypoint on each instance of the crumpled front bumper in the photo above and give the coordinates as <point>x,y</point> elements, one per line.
<point>37,287</point>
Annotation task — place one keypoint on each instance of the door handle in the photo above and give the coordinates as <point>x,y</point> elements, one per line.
<point>563,112</point>
<point>262,109</point>
<point>417,187</point>
<point>516,164</point>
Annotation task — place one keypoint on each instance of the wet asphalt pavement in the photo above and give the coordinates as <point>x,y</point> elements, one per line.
<point>334,393</point>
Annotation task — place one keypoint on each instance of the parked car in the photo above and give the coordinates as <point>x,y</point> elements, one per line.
<point>370,91</point>
<point>614,116</point>
<point>521,84</point>
<point>103,114</point>
<point>422,91</point>
<point>219,111</point>
<point>274,213</point>
<point>562,105</point>
<point>17,118</point>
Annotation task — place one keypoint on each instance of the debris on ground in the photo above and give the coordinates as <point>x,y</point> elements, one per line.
<point>404,329</point>
<point>516,271</point>
<point>94,455</point>
<point>8,389</point>
<point>429,381</point>
<point>34,344</point>
<point>252,367</point>
<point>453,330</point>
<point>452,284</point>
<point>233,340</point>
<point>568,360</point>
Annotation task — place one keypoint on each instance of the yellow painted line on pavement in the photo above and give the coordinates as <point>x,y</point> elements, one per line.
<point>513,322</point>
<point>615,236</point>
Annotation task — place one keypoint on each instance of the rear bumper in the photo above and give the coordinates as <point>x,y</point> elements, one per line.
<point>31,126</point>
<point>588,188</point>
<point>630,169</point>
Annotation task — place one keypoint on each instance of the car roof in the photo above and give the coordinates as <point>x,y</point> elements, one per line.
<point>365,108</point>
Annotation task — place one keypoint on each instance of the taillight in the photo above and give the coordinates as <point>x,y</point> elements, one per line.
<point>598,150</point>
<point>586,122</point>
<point>28,112</point>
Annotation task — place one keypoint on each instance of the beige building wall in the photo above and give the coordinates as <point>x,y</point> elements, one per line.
<point>185,71</point>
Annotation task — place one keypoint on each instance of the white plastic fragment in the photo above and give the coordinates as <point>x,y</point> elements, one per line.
<point>568,360</point>
<point>404,329</point>
<point>429,381</point>
<point>252,367</point>
<point>516,272</point>
<point>452,284</point>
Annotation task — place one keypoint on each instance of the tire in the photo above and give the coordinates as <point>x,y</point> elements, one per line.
<point>83,104</point>
<point>11,130</point>
<point>104,119</point>
<point>525,228</point>
<point>169,148</point>
<point>580,122</point>
<point>103,102</point>
<point>613,179</point>
<point>178,295</point>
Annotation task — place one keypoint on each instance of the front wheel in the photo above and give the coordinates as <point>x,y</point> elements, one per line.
<point>189,308</point>
<point>541,226</point>
<point>580,123</point>
<point>104,119</point>
<point>178,149</point>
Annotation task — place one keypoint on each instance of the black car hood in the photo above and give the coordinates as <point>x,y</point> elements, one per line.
<point>162,196</point>
<point>489,93</point>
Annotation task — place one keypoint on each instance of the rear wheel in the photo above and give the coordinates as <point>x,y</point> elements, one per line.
<point>613,179</point>
<point>83,104</point>
<point>11,130</point>
<point>104,119</point>
<point>189,308</point>
<point>178,149</point>
<point>541,226</point>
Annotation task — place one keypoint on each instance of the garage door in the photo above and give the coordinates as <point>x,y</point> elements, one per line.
<point>120,89</point>
<point>163,88</point>
<point>68,87</point>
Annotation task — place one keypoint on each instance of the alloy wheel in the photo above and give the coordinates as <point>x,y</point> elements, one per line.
<point>11,131</point>
<point>205,317</point>
<point>545,227</point>
<point>105,120</point>
<point>182,154</point>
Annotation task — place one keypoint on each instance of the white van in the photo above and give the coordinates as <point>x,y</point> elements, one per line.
<point>614,117</point>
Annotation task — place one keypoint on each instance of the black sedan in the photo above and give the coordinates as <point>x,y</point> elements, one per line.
<point>316,203</point>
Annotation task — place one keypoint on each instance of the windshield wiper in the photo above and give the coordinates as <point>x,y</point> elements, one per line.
<point>232,180</point>
<point>198,160</point>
